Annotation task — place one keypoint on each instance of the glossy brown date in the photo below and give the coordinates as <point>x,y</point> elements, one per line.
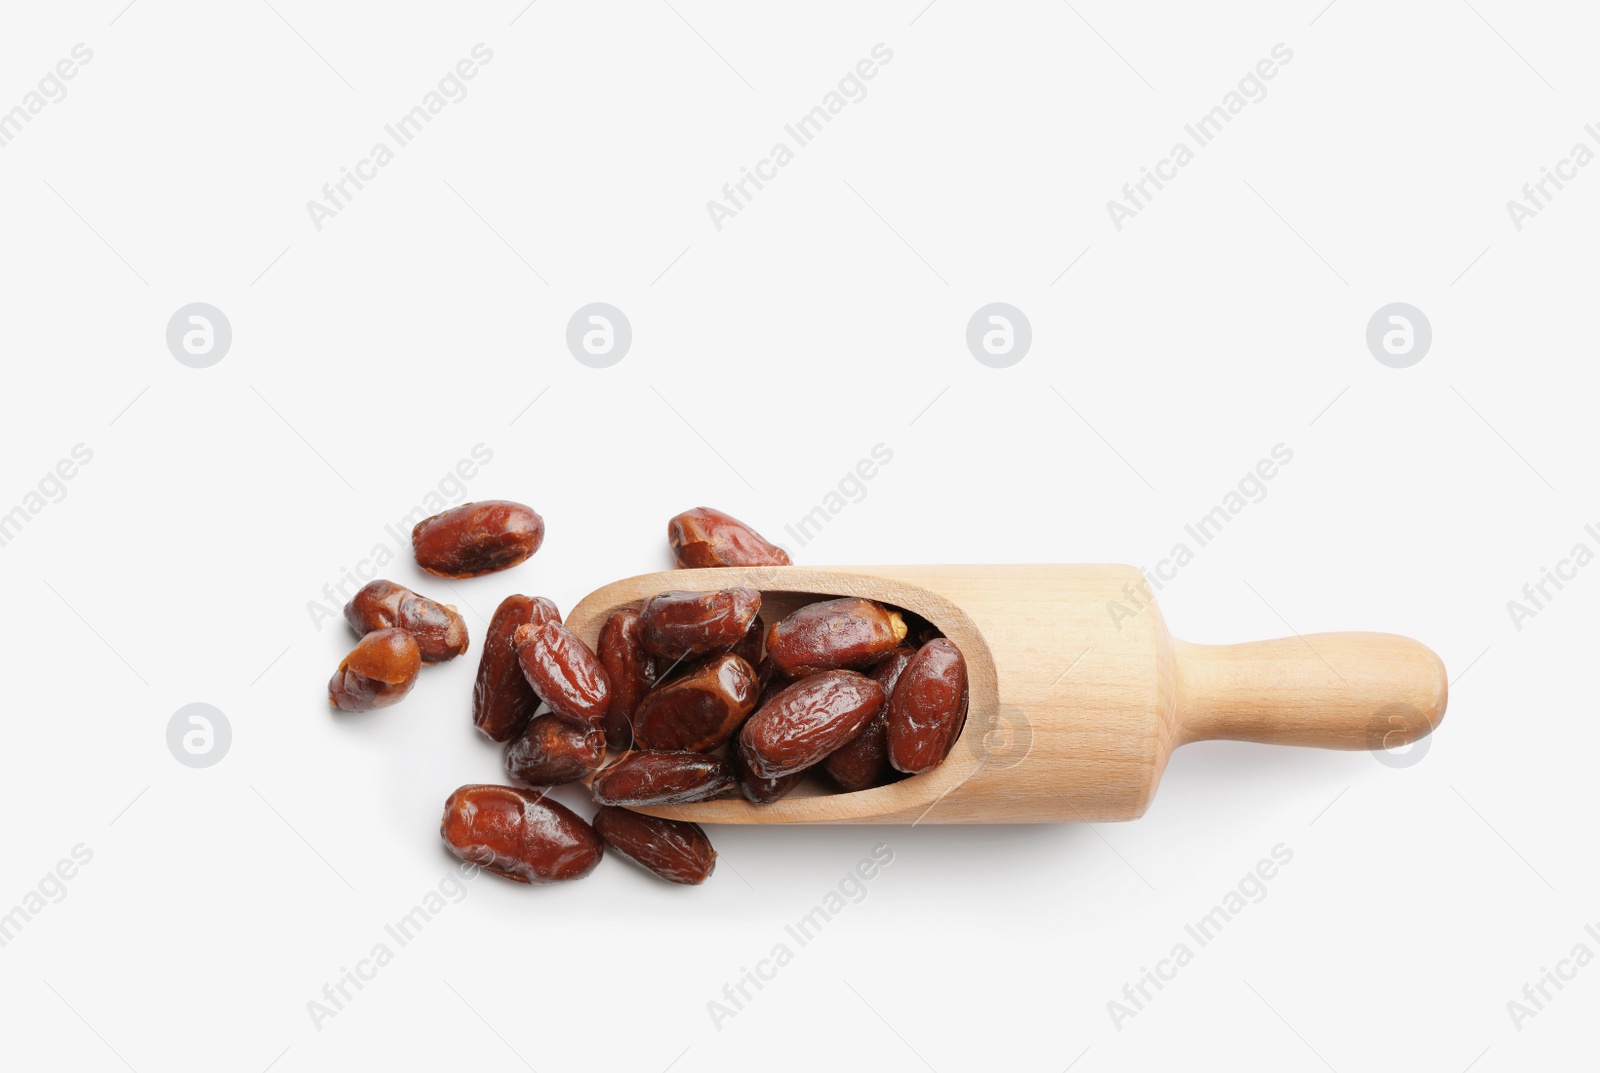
<point>750,646</point>
<point>757,790</point>
<point>632,672</point>
<point>928,707</point>
<point>707,537</point>
<point>519,834</point>
<point>380,670</point>
<point>662,779</point>
<point>847,633</point>
<point>552,751</point>
<point>863,762</point>
<point>772,682</point>
<point>564,672</point>
<point>477,538</point>
<point>808,720</point>
<point>699,710</point>
<point>680,625</point>
<point>502,699</point>
<point>441,633</point>
<point>675,850</point>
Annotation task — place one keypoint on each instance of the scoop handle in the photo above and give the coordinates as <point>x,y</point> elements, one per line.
<point>1330,690</point>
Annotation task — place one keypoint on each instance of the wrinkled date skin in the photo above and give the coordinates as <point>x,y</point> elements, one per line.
<point>927,708</point>
<point>675,850</point>
<point>380,670</point>
<point>565,674</point>
<point>441,634</point>
<point>662,779</point>
<point>502,699</point>
<point>680,625</point>
<point>756,790</point>
<point>809,720</point>
<point>519,834</point>
<point>699,710</point>
<point>847,634</point>
<point>552,751</point>
<point>477,538</point>
<point>632,672</point>
<point>863,762</point>
<point>707,537</point>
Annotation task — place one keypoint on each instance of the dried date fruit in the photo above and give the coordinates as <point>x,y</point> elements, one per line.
<point>519,834</point>
<point>632,672</point>
<point>808,720</point>
<point>699,710</point>
<point>552,751</point>
<point>747,648</point>
<point>662,779</point>
<point>440,632</point>
<point>773,681</point>
<point>502,699</point>
<point>887,671</point>
<point>380,670</point>
<point>679,625</point>
<point>564,672</point>
<point>675,850</point>
<point>756,790</point>
<point>477,538</point>
<point>707,537</point>
<point>847,633</point>
<point>863,761</point>
<point>751,645</point>
<point>928,707</point>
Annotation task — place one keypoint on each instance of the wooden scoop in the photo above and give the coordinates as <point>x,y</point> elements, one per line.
<point>1078,692</point>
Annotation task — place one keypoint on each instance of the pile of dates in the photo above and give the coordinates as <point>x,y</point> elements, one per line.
<point>697,697</point>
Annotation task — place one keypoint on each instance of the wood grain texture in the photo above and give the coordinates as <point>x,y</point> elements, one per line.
<point>1073,712</point>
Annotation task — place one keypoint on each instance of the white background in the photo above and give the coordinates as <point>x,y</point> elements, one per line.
<point>768,358</point>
